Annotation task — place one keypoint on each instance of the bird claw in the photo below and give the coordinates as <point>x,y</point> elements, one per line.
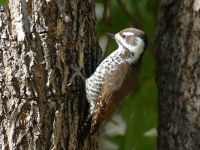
<point>77,72</point>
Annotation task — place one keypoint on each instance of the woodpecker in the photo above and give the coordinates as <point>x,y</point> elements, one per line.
<point>115,76</point>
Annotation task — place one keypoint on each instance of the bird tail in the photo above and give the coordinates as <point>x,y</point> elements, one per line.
<point>84,131</point>
<point>88,129</point>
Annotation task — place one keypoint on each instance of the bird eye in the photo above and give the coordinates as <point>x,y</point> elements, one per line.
<point>124,36</point>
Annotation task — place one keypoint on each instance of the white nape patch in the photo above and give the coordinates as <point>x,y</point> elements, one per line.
<point>136,49</point>
<point>128,33</point>
<point>196,5</point>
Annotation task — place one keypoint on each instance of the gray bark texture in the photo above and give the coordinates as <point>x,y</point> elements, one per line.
<point>38,42</point>
<point>178,74</point>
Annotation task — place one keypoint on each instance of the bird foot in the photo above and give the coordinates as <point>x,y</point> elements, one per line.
<point>77,72</point>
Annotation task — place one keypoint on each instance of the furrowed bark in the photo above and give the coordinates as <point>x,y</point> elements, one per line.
<point>38,42</point>
<point>178,74</point>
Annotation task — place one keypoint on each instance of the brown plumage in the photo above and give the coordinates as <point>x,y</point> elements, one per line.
<point>115,76</point>
<point>113,91</point>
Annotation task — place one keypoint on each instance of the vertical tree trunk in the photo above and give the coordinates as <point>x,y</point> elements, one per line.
<point>178,74</point>
<point>38,42</point>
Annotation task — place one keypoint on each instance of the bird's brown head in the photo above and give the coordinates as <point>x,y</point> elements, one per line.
<point>132,39</point>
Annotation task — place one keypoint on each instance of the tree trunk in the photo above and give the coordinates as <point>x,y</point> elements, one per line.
<point>38,42</point>
<point>178,75</point>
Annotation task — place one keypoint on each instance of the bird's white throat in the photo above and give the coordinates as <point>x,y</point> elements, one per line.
<point>136,49</point>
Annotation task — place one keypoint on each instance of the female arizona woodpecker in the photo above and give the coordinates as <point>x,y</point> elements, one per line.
<point>116,75</point>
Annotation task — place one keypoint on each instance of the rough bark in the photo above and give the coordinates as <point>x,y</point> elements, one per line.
<point>178,74</point>
<point>38,42</point>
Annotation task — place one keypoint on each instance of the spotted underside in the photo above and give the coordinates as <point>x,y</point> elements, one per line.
<point>105,88</point>
<point>115,76</point>
<point>114,89</point>
<point>103,71</point>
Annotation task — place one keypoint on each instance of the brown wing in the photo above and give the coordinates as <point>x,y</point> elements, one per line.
<point>114,89</point>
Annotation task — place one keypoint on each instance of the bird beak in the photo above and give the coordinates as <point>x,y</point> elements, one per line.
<point>110,34</point>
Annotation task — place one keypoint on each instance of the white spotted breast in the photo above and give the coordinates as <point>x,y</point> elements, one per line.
<point>107,67</point>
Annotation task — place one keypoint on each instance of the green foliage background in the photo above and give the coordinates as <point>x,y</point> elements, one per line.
<point>139,109</point>
<point>3,2</point>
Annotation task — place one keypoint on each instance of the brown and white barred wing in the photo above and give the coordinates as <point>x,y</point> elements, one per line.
<point>109,97</point>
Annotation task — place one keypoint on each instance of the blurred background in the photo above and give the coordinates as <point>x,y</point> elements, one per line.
<point>133,125</point>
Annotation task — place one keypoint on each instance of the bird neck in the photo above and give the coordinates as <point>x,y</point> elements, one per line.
<point>131,56</point>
